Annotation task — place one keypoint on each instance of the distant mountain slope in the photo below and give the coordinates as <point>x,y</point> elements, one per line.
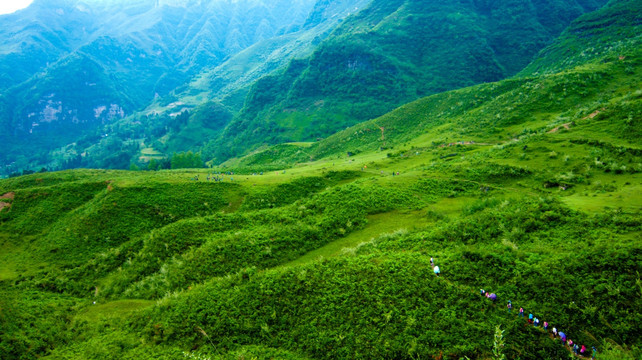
<point>230,81</point>
<point>391,53</point>
<point>614,31</point>
<point>138,50</point>
<point>579,92</point>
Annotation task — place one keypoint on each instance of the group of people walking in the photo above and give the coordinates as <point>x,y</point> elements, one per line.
<point>579,350</point>
<point>533,320</point>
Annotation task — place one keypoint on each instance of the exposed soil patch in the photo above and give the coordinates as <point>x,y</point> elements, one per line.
<point>566,126</point>
<point>594,114</point>
<point>4,204</point>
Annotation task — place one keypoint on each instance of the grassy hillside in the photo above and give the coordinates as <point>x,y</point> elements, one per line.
<point>389,54</point>
<point>529,188</point>
<point>613,31</point>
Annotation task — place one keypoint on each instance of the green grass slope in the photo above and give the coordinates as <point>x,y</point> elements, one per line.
<point>230,81</point>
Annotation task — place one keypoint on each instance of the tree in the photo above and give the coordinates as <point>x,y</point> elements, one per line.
<point>188,160</point>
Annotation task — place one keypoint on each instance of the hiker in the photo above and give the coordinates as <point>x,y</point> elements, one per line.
<point>554,331</point>
<point>594,353</point>
<point>576,349</point>
<point>562,337</point>
<point>530,318</point>
<point>493,297</point>
<point>432,262</point>
<point>437,270</point>
<point>509,306</point>
<point>482,292</point>
<point>582,350</point>
<point>545,325</point>
<point>521,311</point>
<point>536,321</point>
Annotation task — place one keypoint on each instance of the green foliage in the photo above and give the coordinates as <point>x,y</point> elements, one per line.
<point>188,160</point>
<point>605,35</point>
<point>498,344</point>
<point>287,193</point>
<point>37,208</point>
<point>284,194</point>
<point>502,260</point>
<point>406,319</point>
<point>47,316</point>
<point>435,188</point>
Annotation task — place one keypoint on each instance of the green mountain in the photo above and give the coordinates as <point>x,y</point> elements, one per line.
<point>614,31</point>
<point>104,60</point>
<point>389,54</point>
<point>529,188</point>
<point>135,67</point>
<point>229,82</point>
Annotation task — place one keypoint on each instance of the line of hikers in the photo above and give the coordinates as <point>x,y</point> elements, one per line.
<point>216,177</point>
<point>577,349</point>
